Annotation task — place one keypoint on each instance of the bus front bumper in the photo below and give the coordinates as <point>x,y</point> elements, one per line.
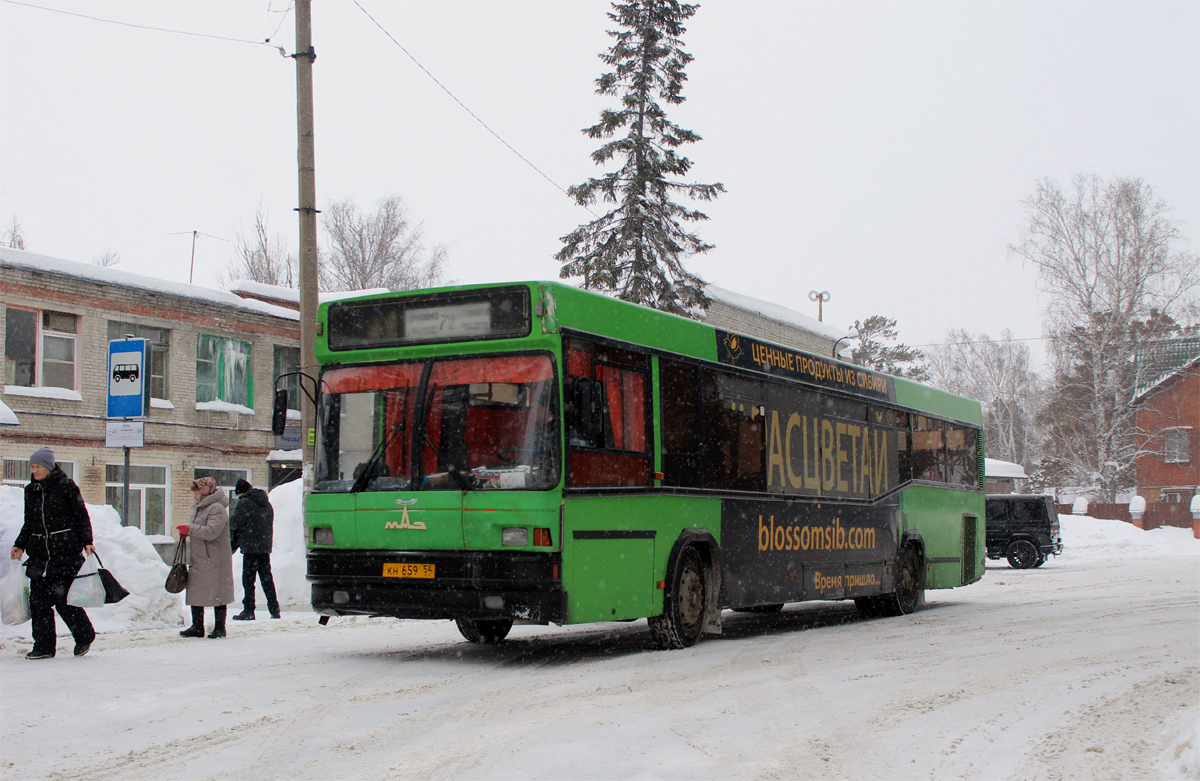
<point>480,584</point>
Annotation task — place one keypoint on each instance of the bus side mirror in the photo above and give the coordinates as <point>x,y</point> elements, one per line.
<point>279,413</point>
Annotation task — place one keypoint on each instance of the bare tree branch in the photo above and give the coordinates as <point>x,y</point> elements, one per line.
<point>383,249</point>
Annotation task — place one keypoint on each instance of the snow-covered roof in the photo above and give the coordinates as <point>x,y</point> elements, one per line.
<point>245,287</point>
<point>994,467</point>
<point>775,312</point>
<point>7,416</point>
<point>16,258</point>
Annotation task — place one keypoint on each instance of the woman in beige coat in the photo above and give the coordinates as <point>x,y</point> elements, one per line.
<point>210,558</point>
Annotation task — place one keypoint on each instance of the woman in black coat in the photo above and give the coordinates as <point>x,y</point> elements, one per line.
<point>56,535</point>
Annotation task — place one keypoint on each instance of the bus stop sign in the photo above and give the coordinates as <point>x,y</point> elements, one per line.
<point>128,378</point>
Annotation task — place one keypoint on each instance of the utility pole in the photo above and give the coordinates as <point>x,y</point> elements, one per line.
<point>306,158</point>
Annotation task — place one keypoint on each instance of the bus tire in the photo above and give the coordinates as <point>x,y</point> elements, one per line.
<point>682,619</point>
<point>910,587</point>
<point>870,607</point>
<point>484,630</point>
<point>1022,554</point>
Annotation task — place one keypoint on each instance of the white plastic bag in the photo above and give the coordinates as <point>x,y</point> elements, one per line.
<point>87,590</point>
<point>14,596</point>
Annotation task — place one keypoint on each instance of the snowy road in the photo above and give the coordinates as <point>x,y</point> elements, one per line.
<point>1086,668</point>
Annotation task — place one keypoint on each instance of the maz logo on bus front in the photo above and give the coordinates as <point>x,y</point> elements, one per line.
<point>405,523</point>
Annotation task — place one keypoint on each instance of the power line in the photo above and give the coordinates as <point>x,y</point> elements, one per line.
<point>144,26</point>
<point>463,105</point>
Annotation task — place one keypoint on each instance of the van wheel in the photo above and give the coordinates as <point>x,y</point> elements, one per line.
<point>682,618</point>
<point>1022,554</point>
<point>484,630</point>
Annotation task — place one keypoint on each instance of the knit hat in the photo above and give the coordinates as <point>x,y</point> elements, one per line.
<point>43,456</point>
<point>241,487</point>
<point>204,486</point>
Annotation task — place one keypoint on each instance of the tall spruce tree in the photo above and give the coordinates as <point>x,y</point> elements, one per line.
<point>636,250</point>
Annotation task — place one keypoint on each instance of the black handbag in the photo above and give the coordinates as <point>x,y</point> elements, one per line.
<point>113,591</point>
<point>178,576</point>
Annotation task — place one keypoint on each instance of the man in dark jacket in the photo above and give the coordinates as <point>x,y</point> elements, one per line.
<point>56,534</point>
<point>251,528</point>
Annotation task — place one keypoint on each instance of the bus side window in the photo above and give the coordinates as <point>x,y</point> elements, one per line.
<point>607,399</point>
<point>680,413</point>
<point>928,449</point>
<point>962,449</point>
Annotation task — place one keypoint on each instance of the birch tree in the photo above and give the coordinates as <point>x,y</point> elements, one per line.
<point>380,250</point>
<point>262,257</point>
<point>999,374</point>
<point>1105,257</point>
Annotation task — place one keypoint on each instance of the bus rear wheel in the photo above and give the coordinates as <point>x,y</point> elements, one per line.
<point>484,630</point>
<point>682,618</point>
<point>910,588</point>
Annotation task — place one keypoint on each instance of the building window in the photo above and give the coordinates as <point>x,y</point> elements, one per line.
<point>1175,446</point>
<point>39,348</point>
<point>225,478</point>
<point>16,471</point>
<point>223,371</point>
<point>159,351</point>
<point>149,509</point>
<point>287,359</point>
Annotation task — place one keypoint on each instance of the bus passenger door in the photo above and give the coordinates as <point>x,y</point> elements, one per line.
<point>608,559</point>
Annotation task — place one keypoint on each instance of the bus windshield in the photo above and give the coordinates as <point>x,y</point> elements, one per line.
<point>479,423</point>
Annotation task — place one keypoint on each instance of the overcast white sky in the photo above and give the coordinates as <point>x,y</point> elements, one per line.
<point>879,151</point>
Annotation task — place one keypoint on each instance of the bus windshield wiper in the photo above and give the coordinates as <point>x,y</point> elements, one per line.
<point>365,477</point>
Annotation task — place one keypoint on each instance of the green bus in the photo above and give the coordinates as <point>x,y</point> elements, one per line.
<point>535,453</point>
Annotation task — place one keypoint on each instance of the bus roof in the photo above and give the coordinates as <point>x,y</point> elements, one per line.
<point>594,313</point>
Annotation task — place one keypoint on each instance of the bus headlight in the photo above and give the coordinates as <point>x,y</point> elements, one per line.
<point>323,535</point>
<point>517,537</point>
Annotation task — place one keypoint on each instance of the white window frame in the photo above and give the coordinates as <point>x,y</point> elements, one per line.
<point>39,346</point>
<point>1184,435</point>
<point>141,489</point>
<point>71,468</point>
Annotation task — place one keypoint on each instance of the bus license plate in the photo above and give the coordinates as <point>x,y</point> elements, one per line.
<point>408,570</point>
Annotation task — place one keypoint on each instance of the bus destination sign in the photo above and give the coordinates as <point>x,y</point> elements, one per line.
<point>747,353</point>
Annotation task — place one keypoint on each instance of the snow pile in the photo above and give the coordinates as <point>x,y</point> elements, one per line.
<point>1181,760</point>
<point>1086,536</point>
<point>128,554</point>
<point>124,551</point>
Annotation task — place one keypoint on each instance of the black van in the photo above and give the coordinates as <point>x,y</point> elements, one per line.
<point>1023,528</point>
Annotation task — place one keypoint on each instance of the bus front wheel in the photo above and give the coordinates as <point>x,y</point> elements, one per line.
<point>682,618</point>
<point>484,630</point>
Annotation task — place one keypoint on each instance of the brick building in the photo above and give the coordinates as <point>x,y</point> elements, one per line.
<point>750,316</point>
<point>214,359</point>
<point>1168,422</point>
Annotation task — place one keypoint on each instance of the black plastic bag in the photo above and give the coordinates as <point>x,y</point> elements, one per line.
<point>113,591</point>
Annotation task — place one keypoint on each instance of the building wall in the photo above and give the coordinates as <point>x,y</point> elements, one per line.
<point>1175,405</point>
<point>732,318</point>
<point>177,435</point>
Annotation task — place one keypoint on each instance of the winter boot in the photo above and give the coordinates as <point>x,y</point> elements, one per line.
<point>197,627</point>
<point>219,621</point>
<point>245,615</point>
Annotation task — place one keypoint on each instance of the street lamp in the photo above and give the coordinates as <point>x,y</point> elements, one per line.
<point>820,298</point>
